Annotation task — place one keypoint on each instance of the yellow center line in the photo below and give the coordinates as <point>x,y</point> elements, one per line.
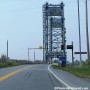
<point>12,73</point>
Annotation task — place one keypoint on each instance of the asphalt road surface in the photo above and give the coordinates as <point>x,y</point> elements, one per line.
<point>28,77</point>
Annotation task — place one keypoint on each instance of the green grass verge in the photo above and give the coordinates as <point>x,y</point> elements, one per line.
<point>83,71</point>
<point>8,64</point>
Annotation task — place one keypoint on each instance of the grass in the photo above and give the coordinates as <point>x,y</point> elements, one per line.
<point>8,64</point>
<point>83,71</point>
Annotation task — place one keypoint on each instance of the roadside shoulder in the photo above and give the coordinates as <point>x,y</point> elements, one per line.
<point>71,79</point>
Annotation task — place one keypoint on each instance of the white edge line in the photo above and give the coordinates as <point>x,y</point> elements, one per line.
<point>59,78</point>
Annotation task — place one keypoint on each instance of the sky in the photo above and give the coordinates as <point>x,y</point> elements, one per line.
<point>21,23</point>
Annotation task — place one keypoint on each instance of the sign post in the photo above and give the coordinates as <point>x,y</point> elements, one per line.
<point>71,47</point>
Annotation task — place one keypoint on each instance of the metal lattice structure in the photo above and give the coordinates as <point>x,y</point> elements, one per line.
<point>53,31</point>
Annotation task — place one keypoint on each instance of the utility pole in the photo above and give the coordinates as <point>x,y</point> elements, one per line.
<point>72,55</point>
<point>28,53</point>
<point>34,56</point>
<point>79,32</point>
<point>7,49</point>
<point>87,34</point>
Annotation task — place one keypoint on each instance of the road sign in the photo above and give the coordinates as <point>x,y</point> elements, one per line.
<point>80,53</point>
<point>69,46</point>
<point>63,58</point>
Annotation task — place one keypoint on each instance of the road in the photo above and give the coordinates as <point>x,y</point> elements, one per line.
<point>28,77</point>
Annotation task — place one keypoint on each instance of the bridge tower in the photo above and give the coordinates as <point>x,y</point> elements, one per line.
<point>54,32</point>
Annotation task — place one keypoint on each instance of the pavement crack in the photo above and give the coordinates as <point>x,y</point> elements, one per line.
<point>28,75</point>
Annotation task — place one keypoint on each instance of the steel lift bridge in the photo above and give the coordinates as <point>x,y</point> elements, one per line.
<point>54,39</point>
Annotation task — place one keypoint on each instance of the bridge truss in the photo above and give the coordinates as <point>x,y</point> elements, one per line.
<point>53,31</point>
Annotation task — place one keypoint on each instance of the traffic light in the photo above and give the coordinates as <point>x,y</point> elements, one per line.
<point>62,51</point>
<point>62,48</point>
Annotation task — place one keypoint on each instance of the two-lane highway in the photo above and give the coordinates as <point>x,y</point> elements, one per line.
<point>29,77</point>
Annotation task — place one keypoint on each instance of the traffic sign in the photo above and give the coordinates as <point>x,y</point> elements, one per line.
<point>63,58</point>
<point>69,46</point>
<point>80,52</point>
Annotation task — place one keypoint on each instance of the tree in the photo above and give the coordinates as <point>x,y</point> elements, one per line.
<point>3,58</point>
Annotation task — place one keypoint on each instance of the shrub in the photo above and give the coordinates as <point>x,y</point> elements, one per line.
<point>3,58</point>
<point>87,63</point>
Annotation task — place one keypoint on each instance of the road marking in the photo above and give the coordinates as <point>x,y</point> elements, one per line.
<point>12,73</point>
<point>58,78</point>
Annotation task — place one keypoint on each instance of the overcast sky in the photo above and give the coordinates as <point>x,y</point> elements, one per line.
<point>21,24</point>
